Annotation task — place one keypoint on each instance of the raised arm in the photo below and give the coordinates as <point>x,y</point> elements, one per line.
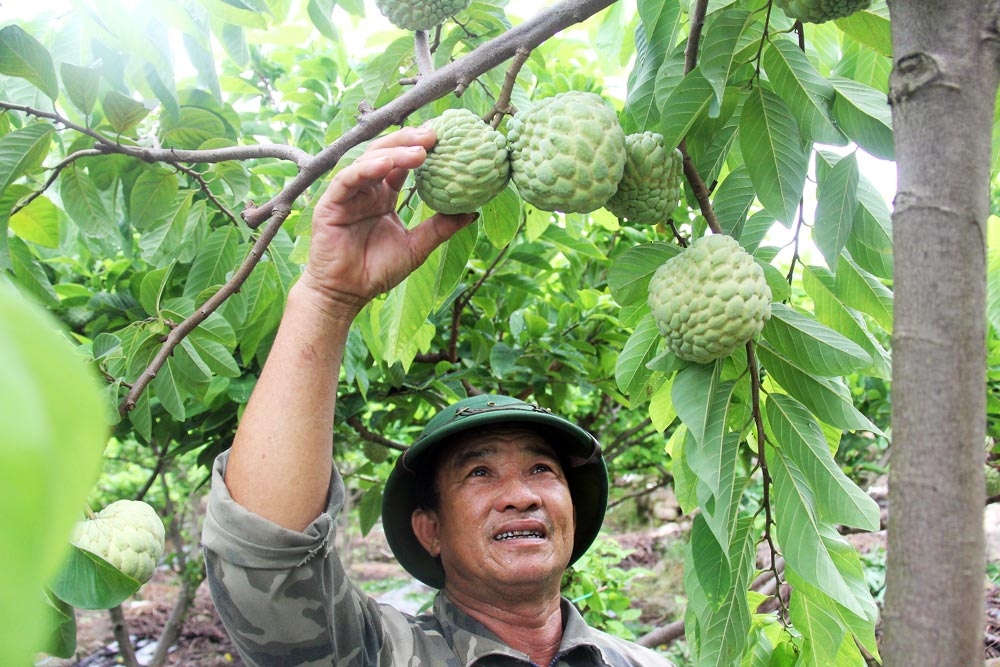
<point>280,462</point>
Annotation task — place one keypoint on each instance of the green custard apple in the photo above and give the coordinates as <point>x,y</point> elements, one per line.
<point>127,533</point>
<point>419,14</point>
<point>709,299</point>
<point>567,152</point>
<point>651,183</point>
<point>467,167</point>
<point>820,11</point>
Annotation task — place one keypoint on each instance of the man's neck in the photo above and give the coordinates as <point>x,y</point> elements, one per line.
<point>533,626</point>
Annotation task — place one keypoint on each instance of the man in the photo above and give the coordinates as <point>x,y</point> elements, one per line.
<point>491,504</point>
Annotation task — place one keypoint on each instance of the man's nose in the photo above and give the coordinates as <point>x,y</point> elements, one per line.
<point>517,493</point>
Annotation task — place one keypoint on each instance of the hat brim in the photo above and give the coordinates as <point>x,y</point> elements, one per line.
<point>586,474</point>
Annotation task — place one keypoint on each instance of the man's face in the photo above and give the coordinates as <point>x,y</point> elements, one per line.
<point>505,517</point>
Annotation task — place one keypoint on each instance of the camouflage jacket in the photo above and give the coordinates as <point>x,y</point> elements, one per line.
<point>286,600</point>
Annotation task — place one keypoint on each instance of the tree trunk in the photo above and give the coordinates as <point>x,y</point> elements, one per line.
<point>942,91</point>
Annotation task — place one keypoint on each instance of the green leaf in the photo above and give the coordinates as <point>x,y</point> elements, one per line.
<point>23,150</point>
<point>822,629</point>
<point>870,243</point>
<point>694,387</point>
<point>153,197</point>
<point>572,246</point>
<point>29,274</point>
<point>87,581</point>
<point>370,509</point>
<point>871,27</point>
<point>862,291</point>
<point>192,128</point>
<point>711,564</point>
<point>732,201</point>
<point>820,285</point>
<point>800,535</point>
<point>52,444</point>
<point>38,222</point>
<point>629,275</point>
<point>837,499</point>
<point>151,289</point>
<point>501,217</point>
<point>631,373</point>
<point>122,111</point>
<point>717,627</point>
<point>686,102</point>
<point>827,398</point>
<point>84,204</point>
<point>23,56</point>
<point>719,42</point>
<point>216,355</point>
<point>816,348</point>
<point>216,258</point>
<point>808,95</point>
<point>167,386</point>
<point>62,628</point>
<point>864,115</point>
<point>836,201</point>
<point>234,12</point>
<point>82,85</point>
<point>406,309</point>
<point>774,155</point>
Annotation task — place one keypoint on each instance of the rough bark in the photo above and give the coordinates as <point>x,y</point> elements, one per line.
<point>942,91</point>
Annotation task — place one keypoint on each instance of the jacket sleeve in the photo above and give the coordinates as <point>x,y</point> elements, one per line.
<point>283,595</point>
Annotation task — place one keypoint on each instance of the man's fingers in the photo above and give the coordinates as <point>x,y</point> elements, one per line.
<point>390,164</point>
<point>437,229</point>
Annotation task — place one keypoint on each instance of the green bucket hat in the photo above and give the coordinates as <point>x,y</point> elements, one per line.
<point>586,473</point>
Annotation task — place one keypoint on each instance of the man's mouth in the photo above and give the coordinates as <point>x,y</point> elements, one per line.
<point>519,534</point>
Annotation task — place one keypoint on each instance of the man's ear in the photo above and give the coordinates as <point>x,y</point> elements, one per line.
<point>425,527</point>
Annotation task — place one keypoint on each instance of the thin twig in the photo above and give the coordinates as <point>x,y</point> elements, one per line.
<point>56,170</point>
<point>422,52</point>
<point>203,184</point>
<point>503,106</point>
<point>765,473</point>
<point>698,186</point>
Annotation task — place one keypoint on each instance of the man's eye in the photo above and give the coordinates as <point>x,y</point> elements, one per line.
<point>478,472</point>
<point>543,467</point>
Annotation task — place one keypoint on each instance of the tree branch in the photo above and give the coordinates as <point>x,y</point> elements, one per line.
<point>701,191</point>
<point>181,331</point>
<point>452,77</point>
<point>56,170</point>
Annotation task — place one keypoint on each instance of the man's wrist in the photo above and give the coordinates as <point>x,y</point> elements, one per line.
<point>336,308</point>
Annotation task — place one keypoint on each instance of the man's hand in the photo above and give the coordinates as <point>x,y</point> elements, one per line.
<point>360,248</point>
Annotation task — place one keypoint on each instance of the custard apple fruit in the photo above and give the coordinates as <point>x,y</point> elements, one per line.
<point>419,14</point>
<point>992,481</point>
<point>467,167</point>
<point>651,184</point>
<point>709,299</point>
<point>567,152</point>
<point>820,11</point>
<point>127,533</point>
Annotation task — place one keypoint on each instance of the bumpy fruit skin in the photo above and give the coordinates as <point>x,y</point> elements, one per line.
<point>709,299</point>
<point>567,152</point>
<point>992,481</point>
<point>127,533</point>
<point>419,14</point>
<point>651,183</point>
<point>820,11</point>
<point>467,166</point>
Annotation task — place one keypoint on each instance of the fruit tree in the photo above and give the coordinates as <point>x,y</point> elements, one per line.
<point>682,244</point>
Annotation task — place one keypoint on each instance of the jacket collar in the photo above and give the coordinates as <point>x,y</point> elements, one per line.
<point>472,641</point>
